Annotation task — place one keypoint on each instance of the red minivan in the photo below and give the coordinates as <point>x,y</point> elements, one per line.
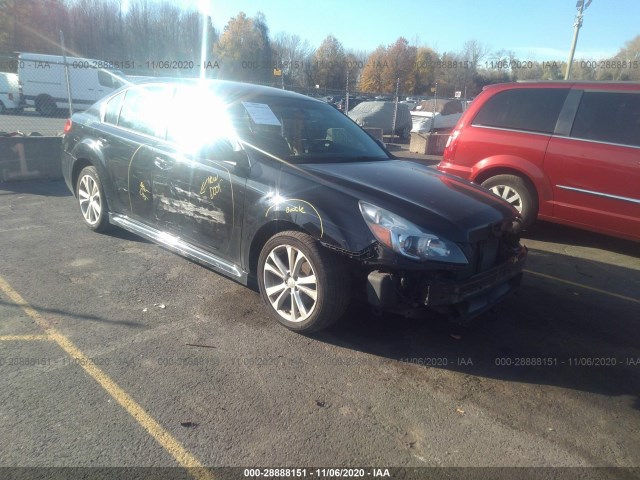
<point>567,152</point>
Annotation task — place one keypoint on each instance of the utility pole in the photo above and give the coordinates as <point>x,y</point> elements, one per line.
<point>581,8</point>
<point>346,97</point>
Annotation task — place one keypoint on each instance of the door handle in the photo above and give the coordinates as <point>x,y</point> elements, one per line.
<point>103,141</point>
<point>161,163</point>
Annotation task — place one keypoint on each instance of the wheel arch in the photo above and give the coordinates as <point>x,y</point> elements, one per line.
<point>263,234</point>
<point>84,155</point>
<point>532,176</point>
<point>78,166</point>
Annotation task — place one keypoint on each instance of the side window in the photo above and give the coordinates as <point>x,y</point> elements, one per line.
<point>528,109</point>
<point>145,109</point>
<point>113,109</point>
<point>200,129</point>
<point>608,117</point>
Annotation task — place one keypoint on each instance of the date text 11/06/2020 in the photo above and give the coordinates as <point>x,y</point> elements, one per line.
<point>315,472</point>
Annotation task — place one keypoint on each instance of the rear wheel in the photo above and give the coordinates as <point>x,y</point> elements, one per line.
<point>3,109</point>
<point>45,106</point>
<point>518,193</point>
<point>305,286</point>
<point>93,204</point>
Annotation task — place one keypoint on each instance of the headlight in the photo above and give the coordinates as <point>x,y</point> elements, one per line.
<point>407,239</point>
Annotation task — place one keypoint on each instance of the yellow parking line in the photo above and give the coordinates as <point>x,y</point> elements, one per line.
<point>26,338</point>
<point>162,436</point>
<point>586,287</point>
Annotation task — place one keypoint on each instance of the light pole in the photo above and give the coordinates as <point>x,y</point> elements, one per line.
<point>581,8</point>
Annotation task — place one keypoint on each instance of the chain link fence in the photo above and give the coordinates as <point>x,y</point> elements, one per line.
<point>39,92</point>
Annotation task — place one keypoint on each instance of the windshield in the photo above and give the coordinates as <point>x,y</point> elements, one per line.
<point>301,131</point>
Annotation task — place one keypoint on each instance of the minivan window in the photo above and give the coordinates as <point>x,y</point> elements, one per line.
<point>608,117</point>
<point>530,109</point>
<point>144,110</point>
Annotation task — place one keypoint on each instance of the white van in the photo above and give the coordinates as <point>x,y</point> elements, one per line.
<point>10,98</point>
<point>44,82</point>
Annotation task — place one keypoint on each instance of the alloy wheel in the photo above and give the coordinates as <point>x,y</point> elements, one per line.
<point>290,283</point>
<point>510,195</point>
<point>89,198</point>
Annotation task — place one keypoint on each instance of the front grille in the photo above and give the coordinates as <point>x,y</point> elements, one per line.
<point>486,254</point>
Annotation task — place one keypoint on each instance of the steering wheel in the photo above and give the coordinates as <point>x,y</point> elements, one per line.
<point>320,146</point>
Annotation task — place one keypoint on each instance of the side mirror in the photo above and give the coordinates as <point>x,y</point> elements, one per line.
<point>224,151</point>
<point>218,150</point>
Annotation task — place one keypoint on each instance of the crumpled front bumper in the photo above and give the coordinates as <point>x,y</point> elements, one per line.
<point>459,300</point>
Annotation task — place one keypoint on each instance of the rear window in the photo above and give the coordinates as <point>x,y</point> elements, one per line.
<point>144,109</point>
<point>608,117</point>
<point>530,109</point>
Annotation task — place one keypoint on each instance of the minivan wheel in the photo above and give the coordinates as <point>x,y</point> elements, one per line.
<point>93,204</point>
<point>517,192</point>
<point>305,286</point>
<point>3,109</point>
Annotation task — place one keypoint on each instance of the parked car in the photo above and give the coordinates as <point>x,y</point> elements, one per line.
<point>562,151</point>
<point>380,115</point>
<point>441,105</point>
<point>10,95</point>
<point>409,103</point>
<point>425,122</point>
<point>44,81</point>
<point>269,186</point>
<point>353,101</point>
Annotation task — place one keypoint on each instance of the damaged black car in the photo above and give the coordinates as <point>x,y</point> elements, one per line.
<point>276,189</point>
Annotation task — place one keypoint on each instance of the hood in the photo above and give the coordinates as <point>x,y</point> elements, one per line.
<point>439,203</point>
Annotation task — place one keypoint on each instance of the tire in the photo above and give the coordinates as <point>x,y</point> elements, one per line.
<point>92,201</point>
<point>406,133</point>
<point>516,191</point>
<point>3,109</point>
<point>45,106</point>
<point>288,251</point>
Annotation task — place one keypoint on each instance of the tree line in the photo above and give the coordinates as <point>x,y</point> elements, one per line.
<point>163,38</point>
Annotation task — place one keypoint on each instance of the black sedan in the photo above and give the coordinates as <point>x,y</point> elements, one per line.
<point>265,185</point>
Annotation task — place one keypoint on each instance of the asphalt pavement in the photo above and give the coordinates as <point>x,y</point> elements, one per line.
<point>115,352</point>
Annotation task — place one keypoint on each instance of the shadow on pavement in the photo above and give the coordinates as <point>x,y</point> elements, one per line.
<point>584,339</point>
<point>47,188</point>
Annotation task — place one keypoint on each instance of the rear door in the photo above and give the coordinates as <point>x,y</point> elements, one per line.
<point>134,122</point>
<point>595,169</point>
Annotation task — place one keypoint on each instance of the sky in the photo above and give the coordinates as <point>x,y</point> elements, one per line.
<point>533,29</point>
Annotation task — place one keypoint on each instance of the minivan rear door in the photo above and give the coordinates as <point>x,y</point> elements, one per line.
<point>594,168</point>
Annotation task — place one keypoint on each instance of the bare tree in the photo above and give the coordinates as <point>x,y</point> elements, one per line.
<point>291,53</point>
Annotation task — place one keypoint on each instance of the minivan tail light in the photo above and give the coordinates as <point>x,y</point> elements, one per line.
<point>450,147</point>
<point>67,126</point>
<point>11,97</point>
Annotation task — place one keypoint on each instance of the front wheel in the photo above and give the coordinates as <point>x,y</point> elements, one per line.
<point>304,286</point>
<point>517,192</point>
<point>92,201</point>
